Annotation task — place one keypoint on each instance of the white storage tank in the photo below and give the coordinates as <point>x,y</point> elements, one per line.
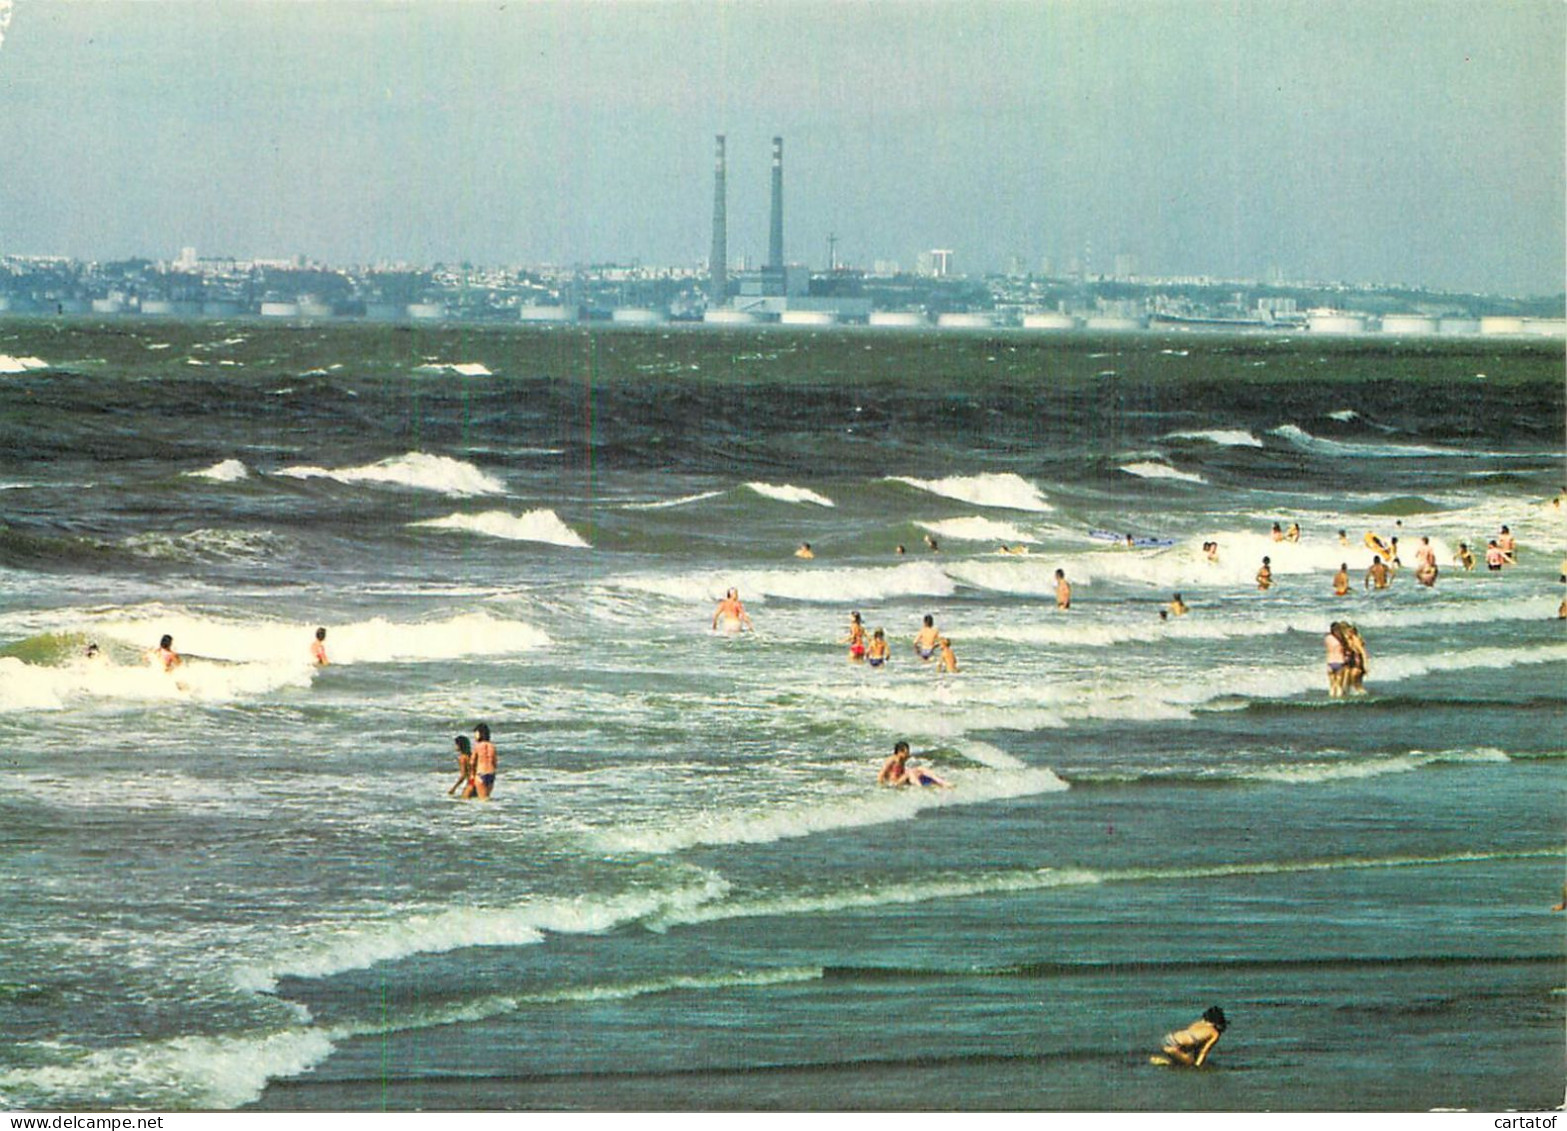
<point>965,321</point>
<point>547,314</point>
<point>107,306</point>
<point>638,316</point>
<point>899,319</point>
<point>280,310</point>
<point>1334,322</point>
<point>1501,324</point>
<point>1408,324</point>
<point>1049,320</point>
<point>808,318</point>
<point>426,311</point>
<point>156,307</point>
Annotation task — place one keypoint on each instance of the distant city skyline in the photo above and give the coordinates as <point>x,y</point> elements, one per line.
<point>1382,142</point>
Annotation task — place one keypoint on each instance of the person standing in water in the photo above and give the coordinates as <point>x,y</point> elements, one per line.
<point>465,780</point>
<point>1177,607</point>
<point>926,640</point>
<point>731,614</point>
<point>1378,574</point>
<point>946,661</point>
<point>318,648</point>
<point>1341,580</point>
<point>164,657</point>
<point>897,771</point>
<point>877,652</point>
<point>1265,575</point>
<point>1063,590</point>
<point>856,639</point>
<point>485,761</point>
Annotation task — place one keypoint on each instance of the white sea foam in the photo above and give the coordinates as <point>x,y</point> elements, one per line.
<point>35,687</point>
<point>461,368</point>
<point>541,525</point>
<point>817,815</point>
<point>1305,441</point>
<point>1313,772</point>
<point>417,470</point>
<point>785,493</point>
<point>666,503</point>
<point>1153,470</point>
<point>1223,437</point>
<point>204,545</point>
<point>227,471</point>
<point>833,586</point>
<point>181,1074</point>
<point>1002,490</point>
<point>285,644</point>
<point>321,950</point>
<point>9,364</point>
<point>976,529</point>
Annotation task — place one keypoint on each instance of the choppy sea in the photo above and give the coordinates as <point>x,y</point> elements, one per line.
<point>244,885</point>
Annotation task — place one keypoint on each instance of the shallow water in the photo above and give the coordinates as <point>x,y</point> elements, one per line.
<point>246,885</point>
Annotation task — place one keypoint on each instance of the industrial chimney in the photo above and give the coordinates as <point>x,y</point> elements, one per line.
<point>718,262</point>
<point>775,258</point>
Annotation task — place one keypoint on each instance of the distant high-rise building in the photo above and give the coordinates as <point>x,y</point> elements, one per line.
<point>775,252</point>
<point>1125,266</point>
<point>187,260</point>
<point>936,263</point>
<point>718,262</point>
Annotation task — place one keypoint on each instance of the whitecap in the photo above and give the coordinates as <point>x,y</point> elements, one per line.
<point>786,493</point>
<point>1151,470</point>
<point>461,368</point>
<point>9,364</point>
<point>227,471</point>
<point>1003,490</point>
<point>1224,437</point>
<point>416,470</point>
<point>532,526</point>
<point>976,529</point>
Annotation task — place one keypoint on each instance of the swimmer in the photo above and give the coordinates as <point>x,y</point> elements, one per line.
<point>1465,556</point>
<point>1425,563</point>
<point>1005,549</point>
<point>1494,558</point>
<point>1063,590</point>
<point>947,661</point>
<point>1341,580</point>
<point>93,652</point>
<point>464,780</point>
<point>877,652</point>
<point>1378,574</point>
<point>1211,549</point>
<point>1356,660</point>
<point>164,656</point>
<point>1343,538</point>
<point>805,552</point>
<point>897,771</point>
<point>1337,658</point>
<point>900,551</point>
<point>484,761</point>
<point>1277,533</point>
<point>931,542</point>
<point>1393,560</point>
<point>1177,607</point>
<point>927,639</point>
<point>318,648</point>
<point>1293,533</point>
<point>1509,547</point>
<point>732,613</point>
<point>1191,1045</point>
<point>856,639</point>
<point>1265,575</point>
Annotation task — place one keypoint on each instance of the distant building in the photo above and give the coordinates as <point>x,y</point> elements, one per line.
<point>936,263</point>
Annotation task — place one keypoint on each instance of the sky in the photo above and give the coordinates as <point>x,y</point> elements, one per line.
<point>1368,141</point>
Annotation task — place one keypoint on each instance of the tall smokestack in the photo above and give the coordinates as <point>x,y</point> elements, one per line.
<point>718,262</point>
<point>775,245</point>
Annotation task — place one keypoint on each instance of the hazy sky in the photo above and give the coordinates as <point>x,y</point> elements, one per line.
<point>1364,140</point>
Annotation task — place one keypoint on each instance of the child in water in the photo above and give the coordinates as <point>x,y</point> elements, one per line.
<point>1190,1046</point>
<point>464,768</point>
<point>897,771</point>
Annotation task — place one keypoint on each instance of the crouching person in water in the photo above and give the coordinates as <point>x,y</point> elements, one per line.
<point>1191,1045</point>
<point>897,771</point>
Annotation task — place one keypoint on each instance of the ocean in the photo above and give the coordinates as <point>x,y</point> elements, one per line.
<point>244,885</point>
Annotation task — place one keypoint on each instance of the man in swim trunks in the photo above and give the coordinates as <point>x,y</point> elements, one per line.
<point>1341,580</point>
<point>1494,558</point>
<point>927,639</point>
<point>897,771</point>
<point>1378,573</point>
<point>1509,548</point>
<point>484,761</point>
<point>732,613</point>
<point>1425,563</point>
<point>318,648</point>
<point>1063,590</point>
